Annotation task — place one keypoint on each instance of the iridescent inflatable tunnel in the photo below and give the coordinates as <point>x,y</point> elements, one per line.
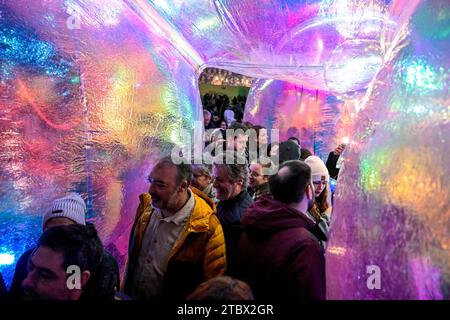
<point>93,91</point>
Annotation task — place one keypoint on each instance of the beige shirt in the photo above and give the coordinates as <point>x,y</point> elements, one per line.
<point>159,239</point>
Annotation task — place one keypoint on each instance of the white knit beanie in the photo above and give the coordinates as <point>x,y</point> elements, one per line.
<point>71,206</point>
<point>229,116</point>
<point>319,171</point>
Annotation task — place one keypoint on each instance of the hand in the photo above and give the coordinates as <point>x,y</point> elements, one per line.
<point>339,149</point>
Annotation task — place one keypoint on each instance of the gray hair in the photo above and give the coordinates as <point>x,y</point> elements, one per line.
<point>184,170</point>
<point>235,165</point>
<point>206,112</point>
<point>204,169</point>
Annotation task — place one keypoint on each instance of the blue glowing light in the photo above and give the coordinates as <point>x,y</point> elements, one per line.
<point>6,259</point>
<point>21,48</point>
<point>333,184</point>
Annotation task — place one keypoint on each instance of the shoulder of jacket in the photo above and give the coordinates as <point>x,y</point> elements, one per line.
<point>198,194</point>
<point>214,221</point>
<point>144,206</point>
<point>200,218</point>
<point>145,199</point>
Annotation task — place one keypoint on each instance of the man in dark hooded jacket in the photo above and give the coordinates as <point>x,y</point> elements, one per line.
<point>279,253</point>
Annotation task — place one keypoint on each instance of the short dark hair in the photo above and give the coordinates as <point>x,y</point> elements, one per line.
<point>184,170</point>
<point>305,153</point>
<point>258,128</point>
<point>249,125</point>
<point>203,169</point>
<point>296,139</point>
<point>222,288</point>
<point>79,245</point>
<point>288,150</point>
<point>237,125</point>
<point>290,185</point>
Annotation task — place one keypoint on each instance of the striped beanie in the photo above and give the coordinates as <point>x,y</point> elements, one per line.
<point>71,206</point>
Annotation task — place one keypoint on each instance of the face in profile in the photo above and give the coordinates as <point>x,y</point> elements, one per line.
<point>200,180</point>
<point>47,278</point>
<point>262,137</point>
<point>237,143</point>
<point>206,119</point>
<point>164,187</point>
<point>256,175</point>
<point>241,143</point>
<point>224,187</point>
<point>274,150</point>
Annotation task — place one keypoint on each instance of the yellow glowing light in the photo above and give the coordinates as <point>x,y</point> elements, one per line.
<point>414,182</point>
<point>339,251</point>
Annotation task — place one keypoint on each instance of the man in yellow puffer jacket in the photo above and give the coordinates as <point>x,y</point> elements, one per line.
<point>176,241</point>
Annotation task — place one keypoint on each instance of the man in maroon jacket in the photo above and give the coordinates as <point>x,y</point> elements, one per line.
<point>279,253</point>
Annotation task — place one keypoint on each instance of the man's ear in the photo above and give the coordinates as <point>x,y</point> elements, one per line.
<point>183,186</point>
<point>75,294</point>
<point>85,276</point>
<point>310,191</point>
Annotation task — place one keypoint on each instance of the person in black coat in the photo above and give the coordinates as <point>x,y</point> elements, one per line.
<point>332,160</point>
<point>230,184</point>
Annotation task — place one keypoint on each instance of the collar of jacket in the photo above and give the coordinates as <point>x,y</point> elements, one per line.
<point>264,188</point>
<point>205,197</point>
<point>236,199</point>
<point>198,220</point>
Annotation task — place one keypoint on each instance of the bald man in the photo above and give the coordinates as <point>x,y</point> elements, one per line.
<point>279,253</point>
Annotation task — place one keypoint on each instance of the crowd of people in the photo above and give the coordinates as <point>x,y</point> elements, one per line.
<point>223,231</point>
<point>220,112</point>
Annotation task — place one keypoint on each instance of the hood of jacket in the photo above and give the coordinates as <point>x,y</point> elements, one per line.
<point>269,216</point>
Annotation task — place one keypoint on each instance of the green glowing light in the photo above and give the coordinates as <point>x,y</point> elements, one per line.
<point>75,80</point>
<point>370,175</point>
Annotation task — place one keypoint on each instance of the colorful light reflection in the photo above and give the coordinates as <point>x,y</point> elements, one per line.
<point>6,259</point>
<point>420,77</point>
